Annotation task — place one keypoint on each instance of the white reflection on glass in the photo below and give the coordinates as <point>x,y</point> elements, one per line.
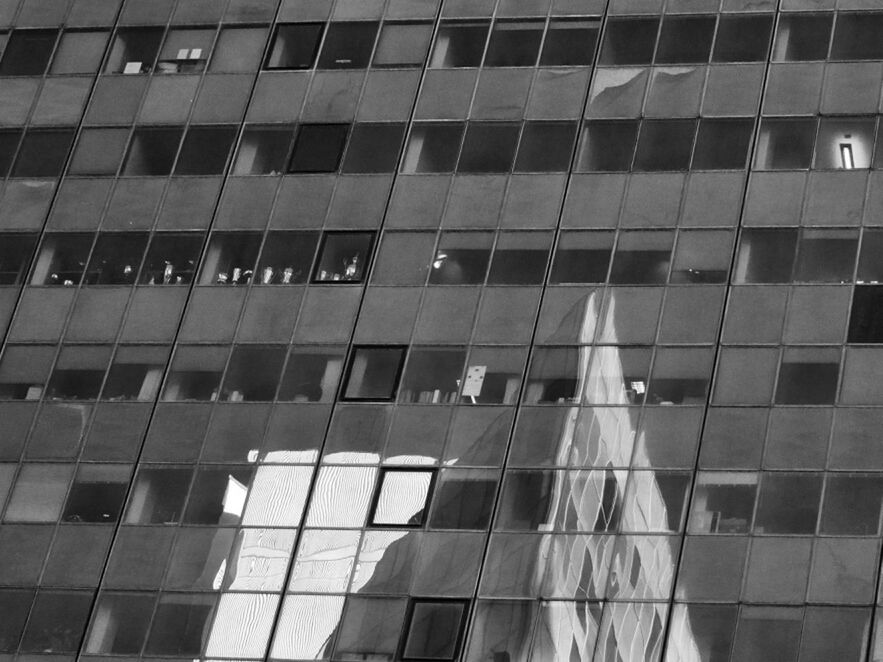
<point>259,561</point>
<point>341,496</point>
<point>278,496</point>
<point>402,497</point>
<point>307,624</point>
<point>374,549</point>
<point>242,625</point>
<point>324,561</point>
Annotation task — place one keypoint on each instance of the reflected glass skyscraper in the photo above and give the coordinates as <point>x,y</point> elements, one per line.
<point>466,330</point>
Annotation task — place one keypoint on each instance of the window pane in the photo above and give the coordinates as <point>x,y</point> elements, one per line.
<point>347,46</point>
<point>62,259</point>
<point>856,37</point>
<point>723,503</point>
<point>262,151</point>
<point>788,503</point>
<point>569,43</point>
<point>152,151</point>
<point>461,259</point>
<point>514,44</point>
<point>432,376</point>
<point>27,52</point>
<point>43,154</point>
<point>116,258</point>
<point>826,256</point>
<point>195,373</point>
<point>97,493</point>
<point>520,258</point>
<point>373,148</point>
<point>844,143</point>
<point>785,144</point>
<point>287,257</point>
<point>373,373</point>
<point>743,38</point>
<point>8,144</point>
<point>402,44</point>
<point>665,145</point>
<point>545,147</point>
<point>205,150</point>
<point>99,151</point>
<point>488,147</point>
<point>641,258</point>
<point>135,374</point>
<point>171,259</point>
<point>766,256</point>
<point>803,37</point>
<point>79,52</point>
<point>134,51</point>
<point>253,373</point>
<point>230,259</point>
<point>463,499</point>
<point>344,257</point>
<point>722,144</point>
<point>318,147</point>
<point>607,146</point>
<point>311,374</point>
<point>582,257</point>
<point>402,497</point>
<point>433,147</point>
<point>629,41</point>
<point>15,255</point>
<point>459,44</point>
<point>685,39</point>
<point>434,630</point>
<point>185,51</point>
<point>239,49</point>
<point>295,46</point>
<point>808,377</point>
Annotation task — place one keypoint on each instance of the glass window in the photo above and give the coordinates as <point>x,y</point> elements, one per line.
<point>680,376</point>
<point>866,318</point>
<point>785,144</point>
<point>608,146</point>
<point>403,44</point>
<point>856,37</point>
<point>555,375</point>
<point>766,256</point>
<point>433,147</point>
<point>402,497</point>
<point>702,256</point>
<point>642,258</point>
<point>347,45</point>
<point>514,44</point>
<point>826,256</point>
<point>685,39</point>
<point>99,151</point>
<point>743,38</point>
<point>136,373</point>
<point>152,152</point>
<point>294,46</point>
<point>343,257</point>
<point>788,503</point>
<point>373,148</point>
<point>262,151</point>
<point>287,257</point>
<point>463,499</point>
<point>43,153</point>
<point>370,628</point>
<point>493,375</point>
<point>434,630</point>
<point>570,43</point>
<point>134,51</point>
<point>97,493</point>
<point>808,377</point>
<point>432,375</point>
<point>205,150</point>
<point>545,147</point>
<point>844,143</point>
<point>27,52</point>
<point>520,258</point>
<point>803,37</point>
<point>158,495</point>
<point>488,147</point>
<point>9,140</point>
<point>582,257</point>
<point>57,622</point>
<point>120,623</point>
<point>230,258</point>
<point>23,371</point>
<point>116,258</point>
<point>373,373</point>
<point>629,41</point>
<point>218,495</point>
<point>404,258</point>
<point>311,374</point>
<point>459,44</point>
<point>180,624</point>
<point>852,505</point>
<point>78,373</point>
<point>253,373</point>
<point>15,255</point>
<point>665,145</point>
<point>461,258</point>
<point>79,52</point>
<point>723,502</point>
<point>722,144</point>
<point>238,49</point>
<point>318,147</point>
<point>39,493</point>
<point>195,373</point>
<point>185,51</point>
<point>171,259</point>
<point>62,259</point>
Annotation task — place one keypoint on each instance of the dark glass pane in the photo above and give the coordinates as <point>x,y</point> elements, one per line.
<point>15,255</point>
<point>43,154</point>
<point>608,146</point>
<point>152,151</point>
<point>403,44</point>
<point>205,150</point>
<point>116,258</point>
<point>171,259</point>
<point>99,151</point>
<point>57,622</point>
<point>318,147</point>
<point>433,147</point>
<point>514,44</point>
<point>373,148</point>
<point>287,257</point>
<point>722,144</point>
<point>344,257</point>
<point>856,37</point>
<point>582,257</point>
<point>434,630</point>
<point>488,147</point>
<point>803,37</point>
<point>459,44</point>
<point>374,373</point>
<point>742,38</point>
<point>295,46</point>
<point>8,145</point>
<point>665,145</point>
<point>545,147</point>
<point>629,41</point>
<point>27,53</point>
<point>569,43</point>
<point>685,39</point>
<point>134,50</point>
<point>262,151</point>
<point>347,46</point>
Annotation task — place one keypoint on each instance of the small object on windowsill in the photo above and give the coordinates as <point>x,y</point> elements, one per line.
<point>168,270</point>
<point>222,278</point>
<point>351,268</point>
<point>267,275</point>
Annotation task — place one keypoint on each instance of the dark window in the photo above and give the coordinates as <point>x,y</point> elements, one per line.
<point>852,505</point>
<point>459,44</point>
<point>803,37</point>
<point>238,49</point>
<point>180,624</point>
<point>806,381</point>
<point>685,39</point>
<point>43,154</point>
<point>520,258</point>
<point>62,259</point>
<point>195,373</point>
<point>463,499</point>
<point>373,373</point>
<point>134,51</point>
<point>545,147</point>
<point>514,44</point>
<point>23,371</point>
<point>116,258</point>
<point>870,266</point>
<point>742,38</point>
<point>311,374</point>
<point>866,319</point>
<point>253,373</point>
<point>78,373</point>
<point>785,144</point>
<point>402,497</point>
<point>608,146</point>
<point>318,147</point>
<point>432,375</point>
<point>262,151</point>
<point>461,258</point>
<point>629,41</point>
<point>295,46</point>
<point>171,259</point>
<point>27,52</point>
<point>99,151</point>
<point>287,257</point>
<point>205,150</point>
<point>135,373</point>
<point>347,46</point>
<point>582,257</point>
<point>8,144</point>
<point>569,43</point>
<point>373,148</point>
<point>641,258</point>
<point>665,145</point>
<point>788,503</point>
<point>702,256</point>
<point>488,147</point>
<point>434,630</point>
<point>127,616</point>
<point>185,51</point>
<point>212,487</point>
<point>433,147</point>
<point>230,258</point>
<point>79,52</point>
<point>343,257</point>
<point>826,256</point>
<point>856,37</point>
<point>152,152</point>
<point>158,495</point>
<point>722,144</point>
<point>403,44</point>
<point>766,256</point>
<point>97,493</point>
<point>15,255</point>
<point>57,622</point>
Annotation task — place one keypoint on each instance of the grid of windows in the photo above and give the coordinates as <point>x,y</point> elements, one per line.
<point>440,330</point>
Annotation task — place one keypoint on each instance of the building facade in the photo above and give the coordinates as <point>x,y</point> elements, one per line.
<point>476,330</point>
